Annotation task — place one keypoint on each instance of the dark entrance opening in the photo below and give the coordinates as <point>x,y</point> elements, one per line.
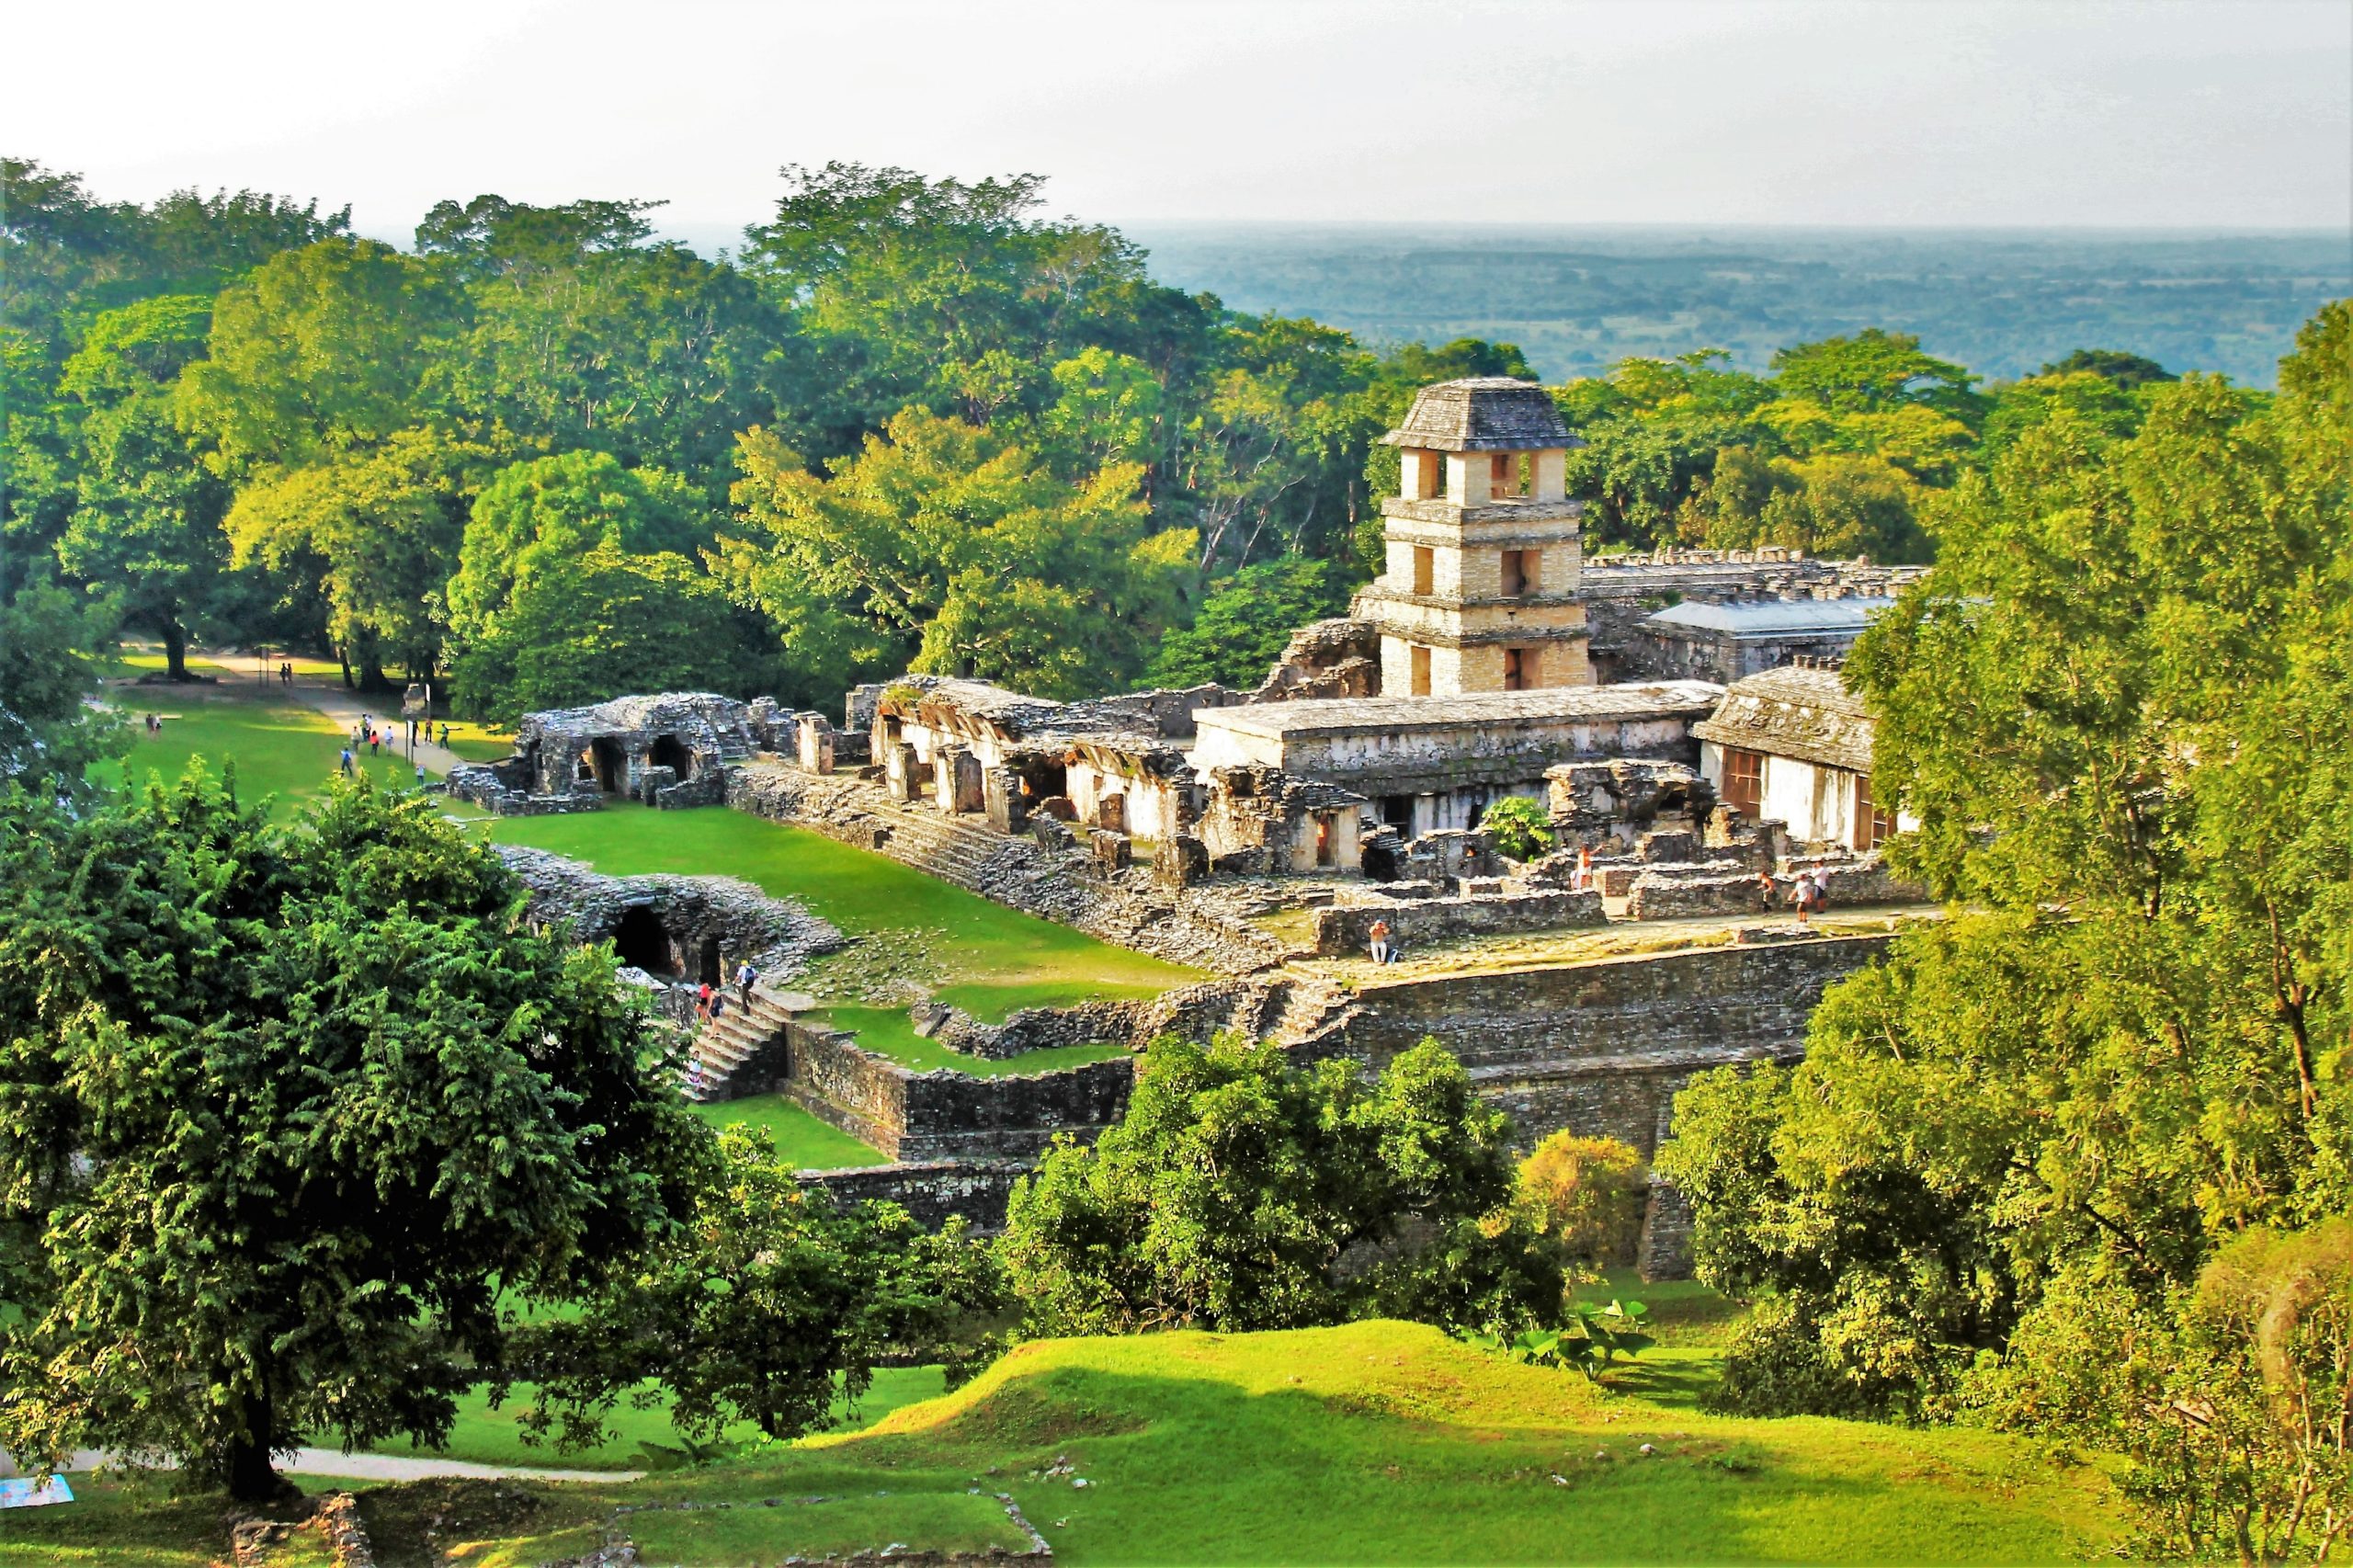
<point>707,963</point>
<point>671,752</point>
<point>640,941</point>
<point>1397,810</point>
<point>611,764</point>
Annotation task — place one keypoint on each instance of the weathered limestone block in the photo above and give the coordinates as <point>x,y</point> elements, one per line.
<point>815,736</point>
<point>900,770</point>
<point>1671,892</point>
<point>652,781</point>
<point>1058,807</point>
<point>1670,846</point>
<point>1181,861</point>
<point>1007,808</point>
<point>1053,834</point>
<point>1111,813</point>
<point>1114,851</point>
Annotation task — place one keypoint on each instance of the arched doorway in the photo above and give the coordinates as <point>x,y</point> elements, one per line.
<point>709,972</point>
<point>611,764</point>
<point>670,752</point>
<point>640,941</point>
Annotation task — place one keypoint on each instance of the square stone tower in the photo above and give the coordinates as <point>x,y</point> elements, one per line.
<point>1480,593</point>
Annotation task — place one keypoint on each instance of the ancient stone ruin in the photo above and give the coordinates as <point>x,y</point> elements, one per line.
<point>669,750</point>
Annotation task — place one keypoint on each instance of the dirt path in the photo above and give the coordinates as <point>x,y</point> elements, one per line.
<point>330,697</point>
<point>380,1467</point>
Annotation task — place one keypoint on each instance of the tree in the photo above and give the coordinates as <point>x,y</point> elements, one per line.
<point>2125,371</point>
<point>544,513</point>
<point>48,675</point>
<point>378,529</point>
<point>769,1304</point>
<point>1875,371</point>
<point>1238,1193</point>
<point>2118,707</point>
<point>146,524</point>
<point>602,623</point>
<point>1519,826</point>
<point>953,550</point>
<point>321,352</point>
<point>1588,1194</point>
<point>1245,620</point>
<point>289,1111</point>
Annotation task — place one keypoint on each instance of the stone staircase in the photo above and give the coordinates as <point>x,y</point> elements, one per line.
<point>736,1037</point>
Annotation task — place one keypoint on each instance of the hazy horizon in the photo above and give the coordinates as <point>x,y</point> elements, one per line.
<point>1944,114</point>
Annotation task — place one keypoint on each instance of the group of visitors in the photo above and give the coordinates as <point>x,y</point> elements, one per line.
<point>710,1000</point>
<point>154,722</point>
<point>1808,895</point>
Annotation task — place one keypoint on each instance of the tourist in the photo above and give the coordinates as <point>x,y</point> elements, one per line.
<point>718,1005</point>
<point>1765,891</point>
<point>444,737</point>
<point>374,743</point>
<point>1805,894</point>
<point>694,1076</point>
<point>346,762</point>
<point>286,675</point>
<point>1381,952</point>
<point>745,975</point>
<point>420,776</point>
<point>702,1001</point>
<point>1583,881</point>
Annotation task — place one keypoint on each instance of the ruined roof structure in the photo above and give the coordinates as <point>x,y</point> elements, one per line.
<point>1765,621</point>
<point>1805,714</point>
<point>1405,745</point>
<point>1483,413</point>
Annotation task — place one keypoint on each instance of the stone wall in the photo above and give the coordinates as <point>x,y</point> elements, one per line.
<point>945,1114</point>
<point>1347,928</point>
<point>931,1190</point>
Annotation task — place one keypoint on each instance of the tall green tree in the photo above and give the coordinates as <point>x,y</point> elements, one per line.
<point>950,548</point>
<point>2119,708</point>
<point>288,1112</point>
<point>145,529</point>
<point>1231,1191</point>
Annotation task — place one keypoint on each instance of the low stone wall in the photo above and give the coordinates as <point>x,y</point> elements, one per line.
<point>1667,892</point>
<point>1193,1012</point>
<point>1349,928</point>
<point>931,1190</point>
<point>480,784</point>
<point>945,1114</point>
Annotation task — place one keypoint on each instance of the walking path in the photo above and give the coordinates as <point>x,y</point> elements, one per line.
<point>377,1467</point>
<point>332,698</point>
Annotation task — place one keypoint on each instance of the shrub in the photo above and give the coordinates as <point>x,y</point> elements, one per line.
<point>1587,1194</point>
<point>1519,827</point>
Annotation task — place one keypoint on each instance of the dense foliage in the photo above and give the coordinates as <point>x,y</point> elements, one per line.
<point>1239,1193</point>
<point>769,1303</point>
<point>284,1112</point>
<point>545,457</point>
<point>2119,706</point>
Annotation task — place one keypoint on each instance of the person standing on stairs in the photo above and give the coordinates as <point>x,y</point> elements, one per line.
<point>744,977</point>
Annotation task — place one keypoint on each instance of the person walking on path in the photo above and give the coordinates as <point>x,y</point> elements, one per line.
<point>1806,895</point>
<point>744,976</point>
<point>1765,891</point>
<point>346,762</point>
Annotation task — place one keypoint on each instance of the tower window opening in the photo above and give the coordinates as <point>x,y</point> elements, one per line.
<point>1425,568</point>
<point>1421,672</point>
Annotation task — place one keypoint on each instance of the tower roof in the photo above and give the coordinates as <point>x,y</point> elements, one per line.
<point>1483,413</point>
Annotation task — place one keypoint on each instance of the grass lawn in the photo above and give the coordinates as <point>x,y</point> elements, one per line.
<point>889,1033</point>
<point>807,1143</point>
<point>980,956</point>
<point>280,747</point>
<point>1373,1443</point>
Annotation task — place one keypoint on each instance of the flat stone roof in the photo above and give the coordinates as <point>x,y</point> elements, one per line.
<point>1763,619</point>
<point>1556,704</point>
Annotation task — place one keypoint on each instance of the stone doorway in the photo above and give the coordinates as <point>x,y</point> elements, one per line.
<point>640,941</point>
<point>707,964</point>
<point>610,764</point>
<point>670,752</point>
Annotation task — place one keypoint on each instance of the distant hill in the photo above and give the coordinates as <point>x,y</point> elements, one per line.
<point>1575,300</point>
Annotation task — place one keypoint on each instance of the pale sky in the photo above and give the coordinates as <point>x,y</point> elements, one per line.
<point>2214,113</point>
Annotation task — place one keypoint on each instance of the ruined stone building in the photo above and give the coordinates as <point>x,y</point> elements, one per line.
<point>1478,589</point>
<point>1793,746</point>
<point>1661,707</point>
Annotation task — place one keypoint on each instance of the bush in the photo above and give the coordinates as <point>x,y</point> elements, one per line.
<point>1519,827</point>
<point>1240,1193</point>
<point>1587,1194</point>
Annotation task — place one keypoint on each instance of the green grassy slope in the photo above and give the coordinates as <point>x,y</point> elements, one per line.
<point>1374,1443</point>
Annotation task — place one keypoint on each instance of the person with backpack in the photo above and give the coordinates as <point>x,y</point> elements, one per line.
<point>745,975</point>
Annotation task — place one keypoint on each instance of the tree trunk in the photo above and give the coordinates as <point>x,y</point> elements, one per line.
<point>251,1477</point>
<point>342,657</point>
<point>174,648</point>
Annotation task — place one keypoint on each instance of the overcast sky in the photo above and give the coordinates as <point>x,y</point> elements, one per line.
<point>2214,113</point>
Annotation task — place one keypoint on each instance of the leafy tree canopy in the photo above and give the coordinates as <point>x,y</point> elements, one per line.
<point>1238,1193</point>
<point>1245,620</point>
<point>286,1111</point>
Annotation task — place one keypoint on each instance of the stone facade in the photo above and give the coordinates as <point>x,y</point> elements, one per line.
<point>1620,593</point>
<point>669,750</point>
<point>682,929</point>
